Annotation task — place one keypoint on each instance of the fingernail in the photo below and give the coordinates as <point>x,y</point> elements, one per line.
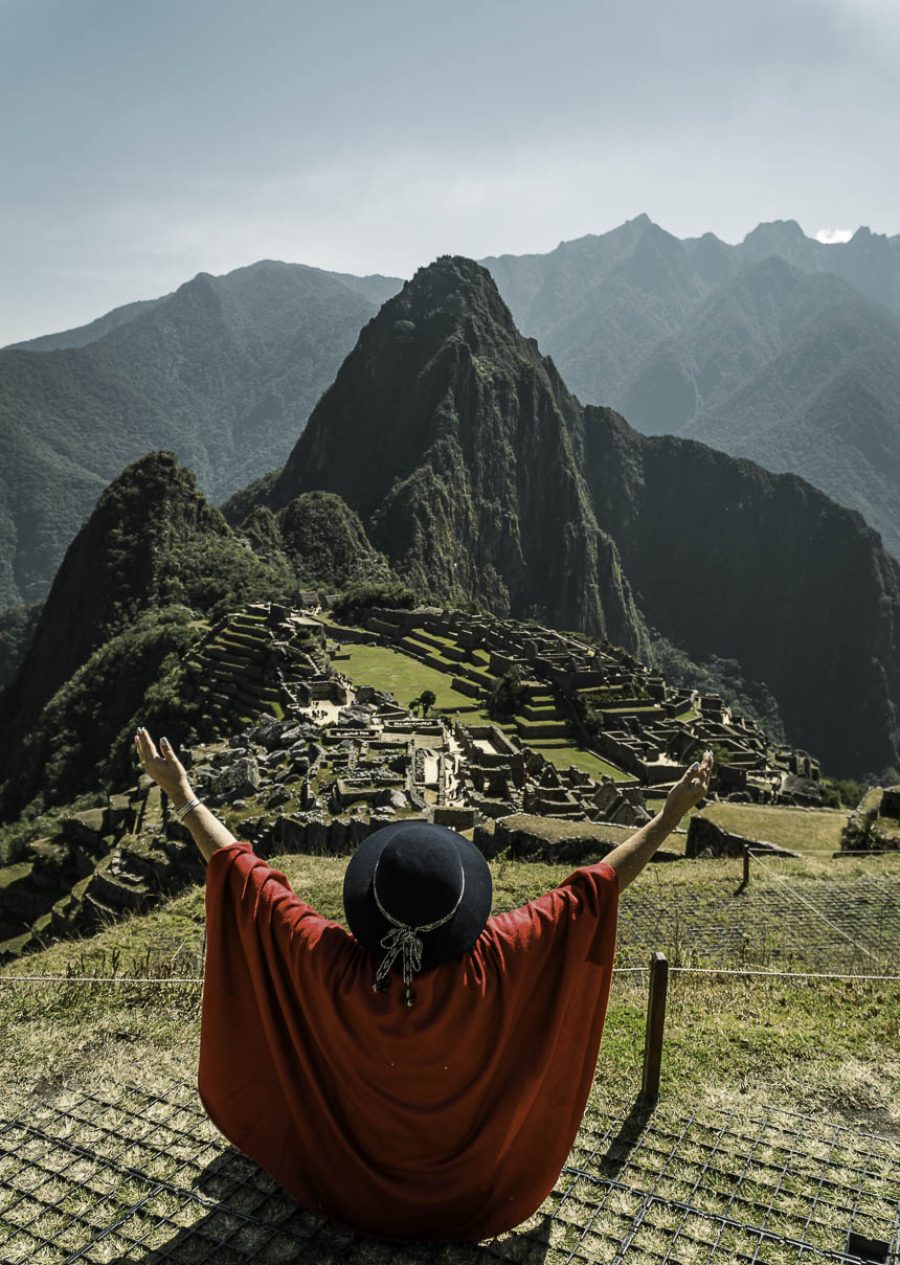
<point>695,765</point>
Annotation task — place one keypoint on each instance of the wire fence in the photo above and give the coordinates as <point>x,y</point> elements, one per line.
<point>798,896</point>
<point>731,936</point>
<point>793,923</point>
<point>197,980</point>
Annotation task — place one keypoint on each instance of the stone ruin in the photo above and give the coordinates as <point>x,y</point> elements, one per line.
<point>301,759</point>
<point>254,662</point>
<point>890,803</point>
<point>639,730</point>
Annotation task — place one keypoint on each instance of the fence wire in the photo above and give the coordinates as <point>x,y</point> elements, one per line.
<point>124,1174</point>
<point>792,923</point>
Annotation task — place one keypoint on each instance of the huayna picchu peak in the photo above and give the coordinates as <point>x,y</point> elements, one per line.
<point>450,435</point>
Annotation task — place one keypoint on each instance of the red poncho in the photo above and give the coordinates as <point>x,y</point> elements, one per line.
<point>450,1120</point>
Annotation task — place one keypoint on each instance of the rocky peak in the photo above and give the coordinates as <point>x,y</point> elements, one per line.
<point>774,233</point>
<point>449,434</point>
<point>115,567</point>
<point>419,367</point>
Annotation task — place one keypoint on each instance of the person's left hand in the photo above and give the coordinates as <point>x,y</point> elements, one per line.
<point>163,766</point>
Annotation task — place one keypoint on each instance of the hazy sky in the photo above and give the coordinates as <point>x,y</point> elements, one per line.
<point>146,140</point>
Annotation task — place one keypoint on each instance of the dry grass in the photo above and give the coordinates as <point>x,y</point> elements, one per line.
<point>806,830</point>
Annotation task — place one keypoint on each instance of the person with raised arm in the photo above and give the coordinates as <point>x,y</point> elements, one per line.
<point>422,1075</point>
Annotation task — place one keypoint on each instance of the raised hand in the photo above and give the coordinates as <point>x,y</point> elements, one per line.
<point>692,787</point>
<point>163,766</point>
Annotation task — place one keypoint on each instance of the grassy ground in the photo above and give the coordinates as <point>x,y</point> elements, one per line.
<point>10,874</point>
<point>812,830</point>
<point>89,1064</point>
<point>562,757</point>
<point>404,676</point>
<point>808,830</point>
<point>45,1031</point>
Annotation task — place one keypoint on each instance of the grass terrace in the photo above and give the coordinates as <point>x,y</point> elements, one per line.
<point>814,830</point>
<point>806,830</point>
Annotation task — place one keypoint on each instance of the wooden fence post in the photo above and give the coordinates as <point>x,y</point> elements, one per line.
<point>656,1021</point>
<point>746,877</point>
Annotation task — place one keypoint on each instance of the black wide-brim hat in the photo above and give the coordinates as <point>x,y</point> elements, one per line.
<point>420,872</point>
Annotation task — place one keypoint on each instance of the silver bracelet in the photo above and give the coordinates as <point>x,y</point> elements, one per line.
<point>189,807</point>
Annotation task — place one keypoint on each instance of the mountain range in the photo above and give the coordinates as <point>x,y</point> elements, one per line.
<point>223,372</point>
<point>448,453</point>
<point>779,348</point>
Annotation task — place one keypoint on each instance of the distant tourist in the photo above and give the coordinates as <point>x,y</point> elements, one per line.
<point>424,1076</point>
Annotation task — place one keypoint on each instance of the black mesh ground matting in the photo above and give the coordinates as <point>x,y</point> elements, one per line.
<point>124,1175</point>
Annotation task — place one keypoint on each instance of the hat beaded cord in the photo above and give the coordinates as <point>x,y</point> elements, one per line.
<point>417,892</point>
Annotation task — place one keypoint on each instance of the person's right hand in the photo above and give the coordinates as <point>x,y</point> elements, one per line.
<point>163,766</point>
<point>694,785</point>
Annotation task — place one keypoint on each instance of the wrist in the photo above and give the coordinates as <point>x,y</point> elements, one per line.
<point>669,817</point>
<point>181,794</point>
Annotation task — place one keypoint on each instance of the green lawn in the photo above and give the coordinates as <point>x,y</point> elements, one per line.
<point>404,676</point>
<point>562,757</point>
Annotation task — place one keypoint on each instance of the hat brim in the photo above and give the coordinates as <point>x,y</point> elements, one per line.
<point>444,943</point>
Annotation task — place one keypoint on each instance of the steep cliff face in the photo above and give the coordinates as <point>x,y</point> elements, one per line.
<point>728,559</point>
<point>449,434</point>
